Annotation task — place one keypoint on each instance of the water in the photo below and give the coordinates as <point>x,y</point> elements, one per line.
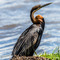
<point>15,18</point>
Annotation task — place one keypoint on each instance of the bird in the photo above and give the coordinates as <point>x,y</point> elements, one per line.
<point>30,39</point>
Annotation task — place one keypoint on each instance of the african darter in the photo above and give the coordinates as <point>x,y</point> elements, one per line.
<point>31,37</point>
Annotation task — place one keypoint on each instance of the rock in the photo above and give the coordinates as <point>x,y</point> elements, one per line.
<point>29,58</point>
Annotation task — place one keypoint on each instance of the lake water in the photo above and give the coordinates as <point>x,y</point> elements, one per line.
<point>15,18</point>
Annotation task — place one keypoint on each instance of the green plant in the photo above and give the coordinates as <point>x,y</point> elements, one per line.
<point>52,56</point>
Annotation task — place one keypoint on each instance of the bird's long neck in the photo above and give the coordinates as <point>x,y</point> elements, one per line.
<point>34,9</point>
<point>32,16</point>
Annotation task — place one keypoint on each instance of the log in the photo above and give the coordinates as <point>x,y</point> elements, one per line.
<point>29,58</point>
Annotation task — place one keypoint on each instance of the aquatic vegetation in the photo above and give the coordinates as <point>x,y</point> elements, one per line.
<point>52,56</point>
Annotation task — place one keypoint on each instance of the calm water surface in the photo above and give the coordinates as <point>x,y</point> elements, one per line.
<point>15,18</point>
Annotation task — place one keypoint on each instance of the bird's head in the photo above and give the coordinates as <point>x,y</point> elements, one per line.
<point>38,19</point>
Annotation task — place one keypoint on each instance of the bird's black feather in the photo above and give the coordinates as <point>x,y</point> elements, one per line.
<point>26,44</point>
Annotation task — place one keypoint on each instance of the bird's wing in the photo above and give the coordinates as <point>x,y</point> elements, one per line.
<point>26,40</point>
<point>20,41</point>
<point>29,41</point>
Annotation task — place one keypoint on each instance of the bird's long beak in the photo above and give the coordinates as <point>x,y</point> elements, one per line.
<point>46,5</point>
<point>41,6</point>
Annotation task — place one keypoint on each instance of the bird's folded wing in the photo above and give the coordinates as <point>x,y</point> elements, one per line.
<point>25,42</point>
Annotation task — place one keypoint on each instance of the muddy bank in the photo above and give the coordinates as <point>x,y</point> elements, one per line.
<point>29,58</point>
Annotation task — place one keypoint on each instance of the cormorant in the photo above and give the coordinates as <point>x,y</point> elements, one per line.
<point>31,37</point>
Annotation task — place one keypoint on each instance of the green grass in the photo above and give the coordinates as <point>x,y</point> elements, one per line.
<point>52,56</point>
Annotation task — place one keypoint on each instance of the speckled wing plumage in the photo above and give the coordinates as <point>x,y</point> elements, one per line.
<point>26,43</point>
